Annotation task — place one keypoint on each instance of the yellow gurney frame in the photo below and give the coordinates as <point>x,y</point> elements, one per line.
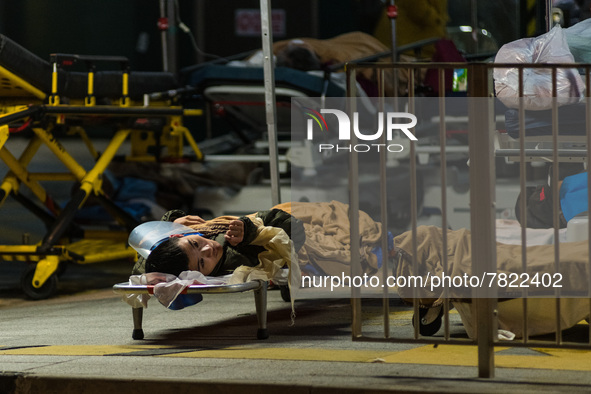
<point>43,113</point>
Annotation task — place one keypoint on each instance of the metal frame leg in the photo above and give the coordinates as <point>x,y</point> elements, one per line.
<point>260,301</point>
<point>138,332</point>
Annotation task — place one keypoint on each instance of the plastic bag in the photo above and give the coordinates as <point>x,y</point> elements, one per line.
<point>573,195</point>
<point>550,47</point>
<point>578,37</point>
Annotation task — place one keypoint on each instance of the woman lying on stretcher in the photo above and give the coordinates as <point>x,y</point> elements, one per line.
<point>219,246</point>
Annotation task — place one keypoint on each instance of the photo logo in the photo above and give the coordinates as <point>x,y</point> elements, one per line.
<point>316,115</point>
<point>388,123</point>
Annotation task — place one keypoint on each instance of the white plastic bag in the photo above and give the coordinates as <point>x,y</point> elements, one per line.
<point>550,47</point>
<point>578,37</point>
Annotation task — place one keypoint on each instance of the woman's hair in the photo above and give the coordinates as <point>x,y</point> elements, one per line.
<point>168,258</point>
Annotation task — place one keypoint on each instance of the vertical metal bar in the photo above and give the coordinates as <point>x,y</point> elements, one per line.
<point>482,207</point>
<point>395,70</point>
<point>384,206</point>
<point>393,33</point>
<point>523,201</point>
<point>199,23</point>
<point>556,197</point>
<point>270,107</point>
<point>171,36</point>
<point>443,174</point>
<point>163,39</point>
<point>354,208</point>
<point>413,200</point>
<point>393,37</point>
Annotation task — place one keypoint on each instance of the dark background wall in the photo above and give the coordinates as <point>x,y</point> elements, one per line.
<point>129,27</point>
<point>105,27</point>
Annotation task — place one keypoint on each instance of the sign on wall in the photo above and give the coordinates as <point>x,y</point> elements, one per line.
<point>247,22</point>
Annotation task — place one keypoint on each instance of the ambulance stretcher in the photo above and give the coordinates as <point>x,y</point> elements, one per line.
<point>51,101</point>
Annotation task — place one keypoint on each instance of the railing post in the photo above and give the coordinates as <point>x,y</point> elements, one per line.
<point>356,325</point>
<point>482,212</point>
<point>270,99</point>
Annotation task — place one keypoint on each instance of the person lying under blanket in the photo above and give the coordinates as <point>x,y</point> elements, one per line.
<point>320,233</point>
<point>312,54</point>
<point>433,279</point>
<point>218,246</point>
<point>309,239</point>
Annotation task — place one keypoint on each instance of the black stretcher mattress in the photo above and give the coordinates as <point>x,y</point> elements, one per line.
<point>571,121</point>
<point>73,84</point>
<point>311,85</point>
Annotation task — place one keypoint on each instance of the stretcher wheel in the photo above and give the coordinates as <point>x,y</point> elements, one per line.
<point>37,293</point>
<point>285,296</point>
<point>428,329</point>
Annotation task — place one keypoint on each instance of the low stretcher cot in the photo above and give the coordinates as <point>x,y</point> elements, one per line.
<point>258,287</point>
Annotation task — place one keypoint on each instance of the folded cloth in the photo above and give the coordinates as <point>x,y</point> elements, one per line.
<point>168,288</point>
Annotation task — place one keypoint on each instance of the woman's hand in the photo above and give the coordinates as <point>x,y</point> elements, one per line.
<point>190,220</point>
<point>235,233</point>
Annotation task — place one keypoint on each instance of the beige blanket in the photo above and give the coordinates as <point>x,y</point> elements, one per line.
<point>328,245</point>
<point>572,272</point>
<point>339,49</point>
<point>343,48</point>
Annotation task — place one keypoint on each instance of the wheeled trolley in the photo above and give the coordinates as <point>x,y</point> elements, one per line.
<point>50,102</point>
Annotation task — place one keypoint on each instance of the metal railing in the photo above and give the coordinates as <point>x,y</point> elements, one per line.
<point>482,158</point>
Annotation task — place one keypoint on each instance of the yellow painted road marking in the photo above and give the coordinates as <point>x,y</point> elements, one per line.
<point>453,355</point>
<point>78,350</point>
<point>458,355</point>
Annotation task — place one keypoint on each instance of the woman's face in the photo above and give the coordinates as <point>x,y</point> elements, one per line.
<point>203,253</point>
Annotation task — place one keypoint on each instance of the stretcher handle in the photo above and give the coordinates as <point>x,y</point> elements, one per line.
<point>63,59</point>
<point>16,116</point>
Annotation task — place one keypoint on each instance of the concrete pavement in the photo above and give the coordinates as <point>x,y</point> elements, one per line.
<point>80,342</point>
